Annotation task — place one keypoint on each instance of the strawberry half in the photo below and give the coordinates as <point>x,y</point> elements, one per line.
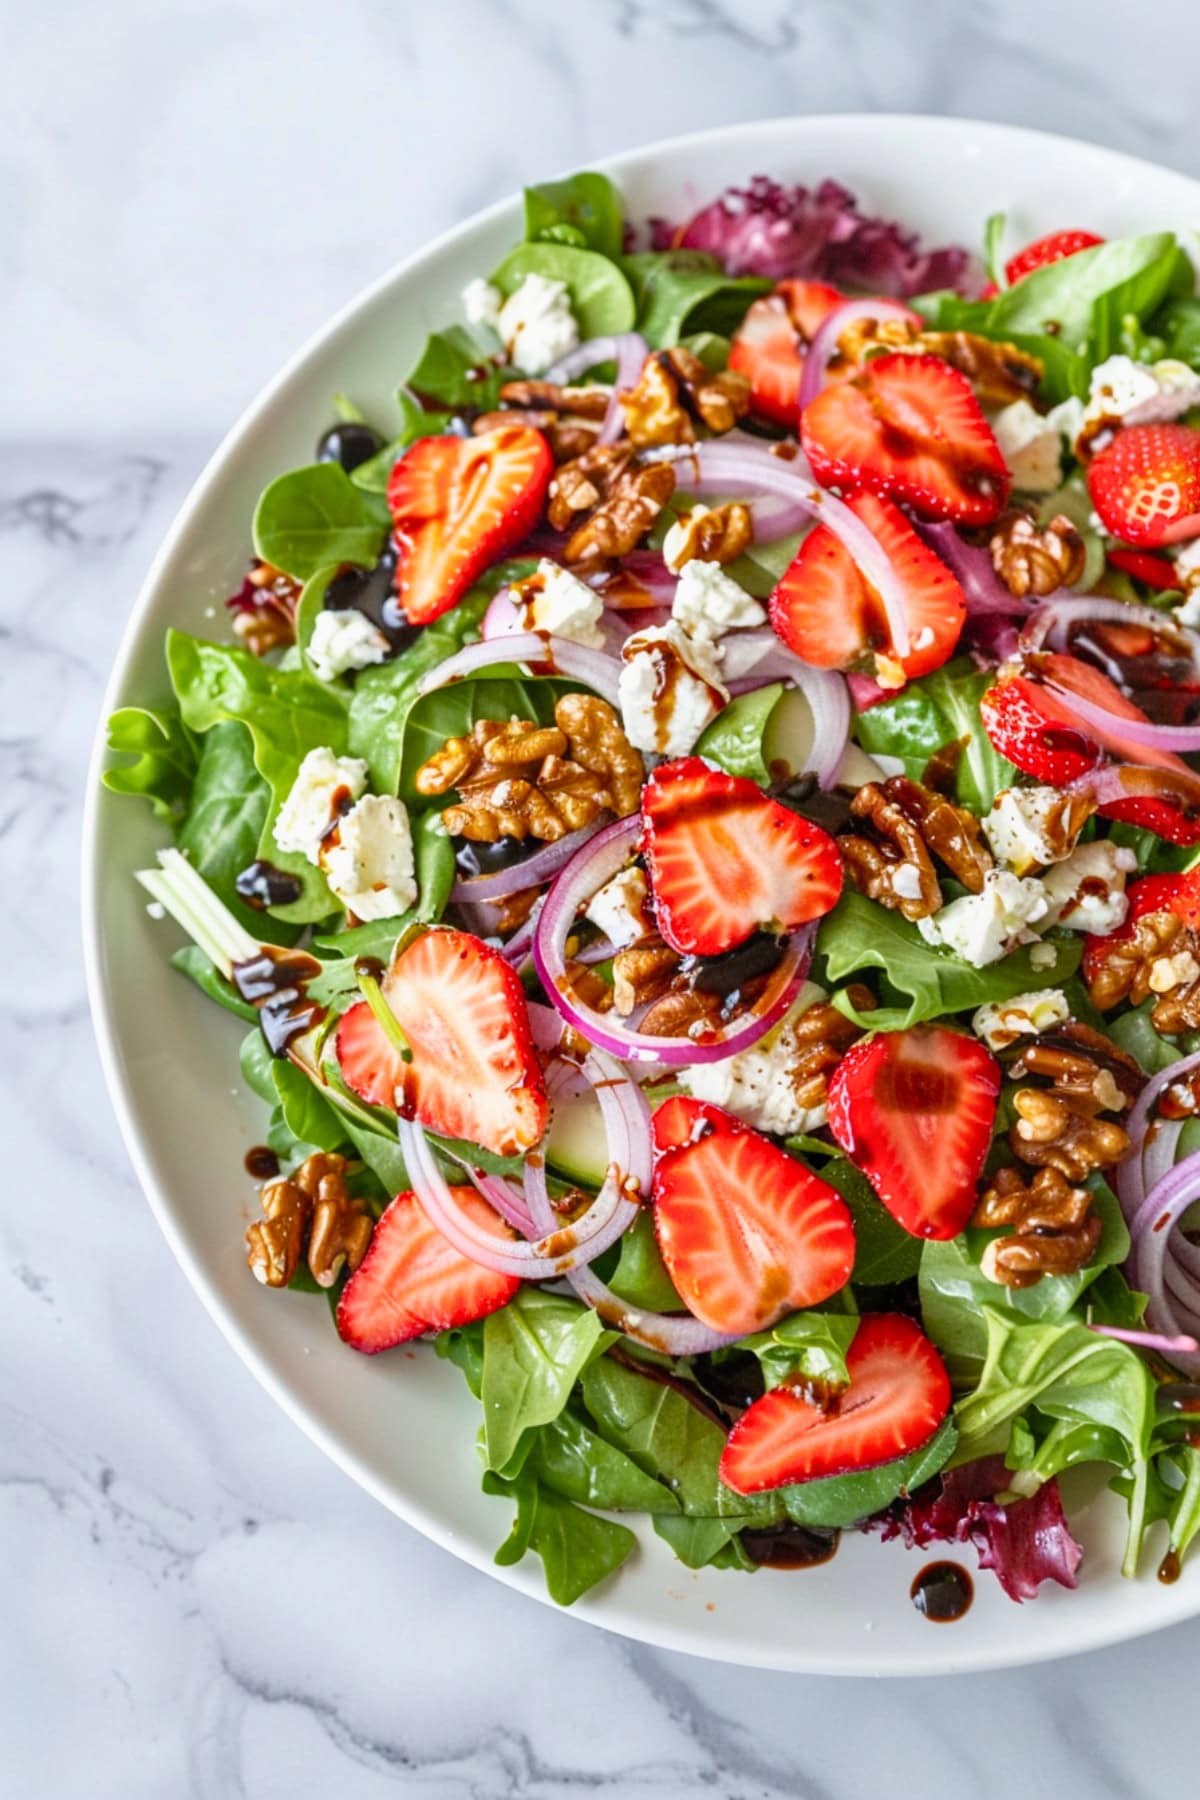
<point>909,427</point>
<point>747,1232</point>
<point>914,1111</point>
<point>1035,727</point>
<point>725,860</point>
<point>1146,484</point>
<point>1156,571</point>
<point>768,347</point>
<point>412,1281</point>
<point>1045,250</point>
<point>828,613</point>
<point>897,1396</point>
<point>473,1072</point>
<point>682,1120</point>
<point>457,504</point>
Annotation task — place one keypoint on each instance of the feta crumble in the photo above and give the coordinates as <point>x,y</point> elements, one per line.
<point>1024,828</point>
<point>482,302</point>
<point>1086,892</point>
<point>1031,447</point>
<point>759,1084</point>
<point>558,602</point>
<point>323,782</point>
<point>537,324</point>
<point>670,688</point>
<point>1124,392</point>
<point>1001,1022</point>
<point>368,861</point>
<point>981,927</point>
<point>708,602</point>
<point>343,640</point>
<point>619,909</point>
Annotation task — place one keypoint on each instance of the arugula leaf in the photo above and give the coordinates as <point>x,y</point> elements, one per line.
<point>601,298</point>
<point>164,759</point>
<point>640,1277</point>
<point>859,934</point>
<point>315,517</point>
<point>842,1500</point>
<point>533,1352</point>
<point>940,709</point>
<point>884,1253</point>
<point>192,962</point>
<point>684,291</point>
<point>568,1456</point>
<point>455,369</point>
<point>734,740</point>
<point>588,203</point>
<point>384,693</point>
<point>808,1345</point>
<point>578,1549</point>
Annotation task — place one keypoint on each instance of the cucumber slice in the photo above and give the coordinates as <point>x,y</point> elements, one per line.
<point>577,1147</point>
<point>788,738</point>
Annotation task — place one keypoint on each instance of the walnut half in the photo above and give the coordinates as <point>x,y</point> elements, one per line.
<point>1053,1229</point>
<point>309,1214</point>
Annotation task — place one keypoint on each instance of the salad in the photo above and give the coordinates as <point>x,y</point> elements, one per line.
<point>697,815</point>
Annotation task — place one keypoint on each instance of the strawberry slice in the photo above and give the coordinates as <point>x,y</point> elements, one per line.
<point>1177,894</point>
<point>1045,250</point>
<point>1146,484</point>
<point>914,1110</point>
<point>909,427</point>
<point>473,1072</point>
<point>1052,678</point>
<point>1156,571</point>
<point>828,613</point>
<point>682,1120</point>
<point>725,860</point>
<point>768,347</point>
<point>457,504</point>
<point>1174,823</point>
<point>747,1232</point>
<point>412,1281</point>
<point>898,1395</point>
<point>1038,736</point>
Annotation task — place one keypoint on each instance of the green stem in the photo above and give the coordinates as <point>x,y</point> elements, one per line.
<point>374,996</point>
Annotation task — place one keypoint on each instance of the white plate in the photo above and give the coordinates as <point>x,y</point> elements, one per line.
<point>404,1425</point>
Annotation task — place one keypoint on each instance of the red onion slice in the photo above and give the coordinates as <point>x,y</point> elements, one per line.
<point>1147,1340</point>
<point>755,658</point>
<point>1050,623</point>
<point>529,873</point>
<point>588,355</point>
<point>631,351</point>
<point>1110,782</point>
<point>823,349</point>
<point>1121,734</point>
<point>556,655</point>
<point>1152,1228</point>
<point>503,617</point>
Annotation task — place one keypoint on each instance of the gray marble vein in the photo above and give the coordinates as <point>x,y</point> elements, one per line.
<point>195,1602</point>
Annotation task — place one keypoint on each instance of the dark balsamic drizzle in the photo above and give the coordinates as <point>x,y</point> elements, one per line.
<point>790,1546</point>
<point>273,981</point>
<point>262,1163</point>
<point>261,885</point>
<point>942,1592</point>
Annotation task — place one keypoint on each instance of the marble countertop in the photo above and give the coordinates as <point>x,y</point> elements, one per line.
<point>195,1601</point>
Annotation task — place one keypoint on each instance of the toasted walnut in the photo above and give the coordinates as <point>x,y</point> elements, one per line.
<point>570,417</point>
<point>596,741</point>
<point>621,499</point>
<point>542,396</point>
<point>1054,1231</point>
<point>1050,1133</point>
<point>913,824</point>
<point>674,392</point>
<point>999,372</point>
<point>308,1207</point>
<point>587,987</point>
<point>1059,1125</point>
<point>822,1035</point>
<point>863,336</point>
<point>685,1012</point>
<point>1160,957</point>
<point>643,972</point>
<point>264,609</point>
<point>710,534</point>
<point>1036,559</point>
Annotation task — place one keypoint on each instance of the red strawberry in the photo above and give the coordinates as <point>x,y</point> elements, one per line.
<point>725,860</point>
<point>457,505</point>
<point>1046,250</point>
<point>1146,484</point>
<point>747,1232</point>
<point>914,1110</point>
<point>682,1120</point>
<point>769,344</point>
<point>473,1072</point>
<point>412,1281</point>
<point>1027,727</point>
<point>909,427</point>
<point>1155,571</point>
<point>898,1395</point>
<point>1177,894</point>
<point>825,610</point>
<point>1074,676</point>
<point>1175,823</point>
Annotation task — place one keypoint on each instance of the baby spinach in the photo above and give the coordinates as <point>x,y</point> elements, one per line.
<point>684,291</point>
<point>533,1352</point>
<point>1178,325</point>
<point>191,961</point>
<point>601,298</point>
<point>841,1500</point>
<point>940,709</point>
<point>451,711</point>
<point>164,759</point>
<point>884,1253</point>
<point>587,204</point>
<point>859,934</point>
<point>568,1456</point>
<point>230,804</point>
<point>807,1346</point>
<point>455,369</point>
<point>307,1116</point>
<point>578,1549</point>
<point>734,740</point>
<point>640,1277</point>
<point>315,517</point>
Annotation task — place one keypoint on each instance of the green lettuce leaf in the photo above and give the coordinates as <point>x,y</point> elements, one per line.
<point>314,518</point>
<point>940,709</point>
<point>578,1549</point>
<point>455,369</point>
<point>164,759</point>
<point>808,1346</point>
<point>587,204</point>
<point>680,292</point>
<point>534,1350</point>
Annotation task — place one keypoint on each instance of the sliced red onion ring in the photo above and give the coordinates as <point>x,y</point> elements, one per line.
<point>505,1199</point>
<point>592,667</point>
<point>1110,782</point>
<point>1147,1340</point>
<point>503,617</point>
<point>1120,733</point>
<point>982,588</point>
<point>719,468</point>
<point>583,876</point>
<point>1149,1138</point>
<point>823,349</point>
<point>588,355</point>
<point>529,873</point>
<point>1152,1230</point>
<point>639,569</point>
<point>1049,625</point>
<point>631,351</point>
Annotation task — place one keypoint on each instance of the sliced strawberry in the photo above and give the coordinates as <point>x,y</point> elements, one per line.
<point>682,1120</point>
<point>1175,824</point>
<point>458,504</point>
<point>909,427</point>
<point>1146,484</point>
<point>768,347</point>
<point>898,1395</point>
<point>1046,250</point>
<point>914,1110</point>
<point>828,613</point>
<point>1177,894</point>
<point>1040,738</point>
<point>473,1072</point>
<point>747,1232</point>
<point>1074,676</point>
<point>1155,571</point>
<point>412,1281</point>
<point>725,860</point>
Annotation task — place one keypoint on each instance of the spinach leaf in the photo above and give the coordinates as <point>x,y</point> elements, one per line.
<point>164,759</point>
<point>858,934</point>
<point>640,1277</point>
<point>315,517</point>
<point>940,709</point>
<point>568,1456</point>
<point>379,1151</point>
<point>533,1352</point>
<point>884,1253</point>
<point>1135,1034</point>
<point>682,291</point>
<point>454,370</point>
<point>463,1346</point>
<point>840,1500</point>
<point>192,962</point>
<point>307,1116</point>
<point>578,1549</point>
<point>601,298</point>
<point>1132,274</point>
<point>256,1061</point>
<point>384,694</point>
<point>1178,324</point>
<point>807,1345</point>
<point>226,820</point>
<point>374,474</point>
<point>734,740</point>
<point>587,203</point>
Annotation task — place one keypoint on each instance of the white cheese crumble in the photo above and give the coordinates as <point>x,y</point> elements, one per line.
<point>980,928</point>
<point>670,688</point>
<point>482,302</point>
<point>537,324</point>
<point>343,640</point>
<point>1187,572</point>
<point>619,909</point>
<point>708,602</point>
<point>564,606</point>
<point>1001,1022</point>
<point>368,861</point>
<point>323,782</point>
<point>759,1085</point>
<point>1124,392</point>
<point>1019,828</point>
<point>1031,447</point>
<point>1087,891</point>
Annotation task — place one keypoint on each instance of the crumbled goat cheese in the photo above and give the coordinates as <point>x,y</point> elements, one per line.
<point>1020,828</point>
<point>537,324</point>
<point>1002,1022</point>
<point>565,606</point>
<point>980,928</point>
<point>344,640</point>
<point>323,782</point>
<point>368,861</point>
<point>708,602</point>
<point>1124,392</point>
<point>670,688</point>
<point>619,909</point>
<point>482,302</point>
<point>1086,892</point>
<point>1031,447</point>
<point>759,1085</point>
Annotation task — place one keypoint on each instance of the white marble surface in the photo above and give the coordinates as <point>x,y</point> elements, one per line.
<point>194,1601</point>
